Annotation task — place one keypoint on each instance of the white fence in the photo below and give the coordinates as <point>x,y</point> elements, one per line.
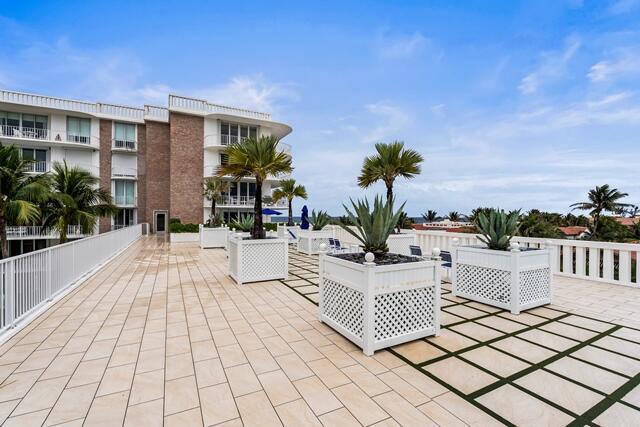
<point>28,281</point>
<point>18,232</point>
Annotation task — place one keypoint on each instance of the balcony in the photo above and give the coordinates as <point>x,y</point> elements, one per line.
<point>212,170</point>
<point>38,167</point>
<point>125,201</point>
<point>127,173</point>
<point>25,232</point>
<point>19,132</point>
<point>78,139</point>
<point>123,145</point>
<point>243,201</point>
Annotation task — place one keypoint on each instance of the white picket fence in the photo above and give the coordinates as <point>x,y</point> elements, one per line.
<point>29,281</point>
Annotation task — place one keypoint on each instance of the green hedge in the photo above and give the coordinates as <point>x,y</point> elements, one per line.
<point>175,226</point>
<point>270,226</point>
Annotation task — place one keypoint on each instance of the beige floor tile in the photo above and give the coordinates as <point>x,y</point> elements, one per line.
<point>6,408</point>
<point>403,388</point>
<point>328,373</point>
<point>100,349</point>
<point>388,359</point>
<point>451,341</point>
<point>369,363</point>
<point>307,351</point>
<point>178,345</point>
<point>180,394</point>
<point>585,322</point>
<point>341,417</point>
<point>607,359</point>
<point>178,366</point>
<point>619,346</point>
<point>402,411</point>
<point>523,409</point>
<point>256,410</point>
<point>293,366</point>
<point>42,395</point>
<point>116,379</point>
<point>633,396</point>
<point>626,333</point>
<point>218,404</point>
<point>568,395</point>
<point>297,413</point>
<point>30,419</point>
<point>477,331</point>
<point>418,351</point>
<point>337,356</point>
<point>569,331</point>
<point>527,319</point>
<point>465,312</point>
<point>232,355</point>
<point>501,324</point>
<point>191,418</point>
<point>440,415</point>
<point>148,414</point>
<point>108,410</point>
<point>242,380</point>
<point>73,403</point>
<point>523,349</point>
<point>548,340</point>
<point>494,361</point>
<point>39,359</point>
<point>277,346</point>
<point>619,415</point>
<point>460,374</point>
<point>317,395</point>
<point>359,404</point>
<point>423,383</point>
<point>587,374</point>
<point>364,379</point>
<point>147,386</point>
<point>150,360</point>
<point>62,366</point>
<point>203,350</point>
<point>278,387</point>
<point>16,386</point>
<point>209,372</point>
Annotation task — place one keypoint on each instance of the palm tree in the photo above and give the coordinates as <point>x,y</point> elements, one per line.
<point>19,193</point>
<point>601,199</point>
<point>289,190</point>
<point>430,216</point>
<point>257,158</point>
<point>75,198</point>
<point>391,161</point>
<point>454,216</point>
<point>213,189</point>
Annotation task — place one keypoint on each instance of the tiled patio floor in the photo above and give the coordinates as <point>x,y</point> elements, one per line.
<point>161,334</point>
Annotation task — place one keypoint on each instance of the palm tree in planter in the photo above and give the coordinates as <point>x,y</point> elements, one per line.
<point>257,158</point>
<point>214,188</point>
<point>310,241</point>
<point>392,298</point>
<point>501,274</point>
<point>289,190</point>
<point>257,258</point>
<point>390,162</point>
<point>20,193</point>
<point>75,198</point>
<point>601,199</point>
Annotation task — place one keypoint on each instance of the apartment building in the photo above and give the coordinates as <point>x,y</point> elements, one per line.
<point>152,159</point>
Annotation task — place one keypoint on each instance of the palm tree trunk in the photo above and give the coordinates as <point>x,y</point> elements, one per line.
<point>290,221</point>
<point>63,231</point>
<point>257,232</point>
<point>213,208</point>
<point>390,193</point>
<point>4,244</point>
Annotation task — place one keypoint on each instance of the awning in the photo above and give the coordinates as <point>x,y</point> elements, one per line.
<point>268,211</point>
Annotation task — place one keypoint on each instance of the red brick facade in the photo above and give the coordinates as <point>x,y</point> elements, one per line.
<point>106,127</point>
<point>153,171</point>
<point>186,167</point>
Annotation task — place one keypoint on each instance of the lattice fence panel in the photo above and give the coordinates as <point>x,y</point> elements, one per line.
<point>534,285</point>
<point>489,283</point>
<point>344,306</point>
<point>403,312</point>
<point>264,260</point>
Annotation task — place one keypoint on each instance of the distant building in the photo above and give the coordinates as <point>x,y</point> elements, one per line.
<point>574,231</point>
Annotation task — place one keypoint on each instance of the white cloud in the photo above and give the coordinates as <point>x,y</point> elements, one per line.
<point>391,119</point>
<point>552,66</point>
<point>624,62</point>
<point>398,46</point>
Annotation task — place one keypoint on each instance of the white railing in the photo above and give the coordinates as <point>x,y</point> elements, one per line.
<point>78,139</point>
<point>38,167</point>
<point>29,281</point>
<point>447,224</point>
<point>243,201</point>
<point>13,131</point>
<point>203,107</point>
<point>119,144</point>
<point>120,111</point>
<point>152,112</point>
<point>125,201</point>
<point>18,232</point>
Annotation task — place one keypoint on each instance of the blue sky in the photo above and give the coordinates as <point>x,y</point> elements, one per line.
<point>517,104</point>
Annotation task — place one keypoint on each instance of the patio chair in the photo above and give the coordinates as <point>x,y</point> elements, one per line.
<point>415,250</point>
<point>337,246</point>
<point>332,244</point>
<point>446,259</point>
<point>292,237</point>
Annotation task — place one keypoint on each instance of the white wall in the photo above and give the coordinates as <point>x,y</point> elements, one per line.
<point>120,160</point>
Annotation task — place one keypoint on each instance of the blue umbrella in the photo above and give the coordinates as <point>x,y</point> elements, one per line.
<point>304,224</point>
<point>268,211</point>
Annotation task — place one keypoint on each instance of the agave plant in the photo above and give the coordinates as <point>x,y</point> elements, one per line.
<point>497,228</point>
<point>319,219</point>
<point>243,223</point>
<point>373,226</point>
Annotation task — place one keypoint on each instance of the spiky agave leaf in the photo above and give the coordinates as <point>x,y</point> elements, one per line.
<point>497,228</point>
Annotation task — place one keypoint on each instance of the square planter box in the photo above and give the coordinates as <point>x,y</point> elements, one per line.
<point>309,241</point>
<point>213,237</point>
<point>256,260</point>
<point>378,306</point>
<point>183,237</point>
<point>399,243</point>
<point>513,280</point>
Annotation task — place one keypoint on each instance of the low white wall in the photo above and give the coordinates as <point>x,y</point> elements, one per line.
<point>184,237</point>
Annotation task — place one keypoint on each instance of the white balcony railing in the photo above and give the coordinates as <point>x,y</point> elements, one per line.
<point>126,201</point>
<point>203,107</point>
<point>20,232</point>
<point>28,282</point>
<point>12,131</point>
<point>211,171</point>
<point>78,139</point>
<point>38,167</point>
<point>243,201</point>
<point>118,144</point>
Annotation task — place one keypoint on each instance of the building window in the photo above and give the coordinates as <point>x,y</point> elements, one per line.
<point>125,136</point>
<point>78,130</point>
<point>231,131</point>
<point>24,125</point>
<point>124,218</point>
<point>224,159</point>
<point>125,192</point>
<point>39,158</point>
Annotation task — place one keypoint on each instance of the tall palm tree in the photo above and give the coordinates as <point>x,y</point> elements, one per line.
<point>391,161</point>
<point>454,216</point>
<point>430,216</point>
<point>257,158</point>
<point>213,189</point>
<point>19,193</point>
<point>289,190</point>
<point>75,198</point>
<point>601,199</point>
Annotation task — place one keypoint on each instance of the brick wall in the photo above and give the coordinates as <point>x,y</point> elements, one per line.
<point>105,166</point>
<point>142,175</point>
<point>155,166</point>
<point>186,167</point>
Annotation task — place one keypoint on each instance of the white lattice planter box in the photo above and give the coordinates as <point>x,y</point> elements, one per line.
<point>257,260</point>
<point>213,237</point>
<point>513,280</point>
<point>184,237</point>
<point>283,232</point>
<point>399,243</point>
<point>309,241</point>
<point>377,306</point>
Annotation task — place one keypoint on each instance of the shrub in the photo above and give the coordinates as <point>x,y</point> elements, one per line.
<point>243,223</point>
<point>175,226</point>
<point>497,228</point>
<point>319,220</point>
<point>270,226</point>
